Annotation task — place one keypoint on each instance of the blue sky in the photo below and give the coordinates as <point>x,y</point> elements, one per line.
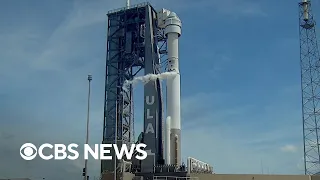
<point>239,60</point>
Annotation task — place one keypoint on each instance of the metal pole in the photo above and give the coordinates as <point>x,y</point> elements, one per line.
<point>87,134</point>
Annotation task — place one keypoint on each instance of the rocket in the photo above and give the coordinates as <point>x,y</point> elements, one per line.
<point>173,122</point>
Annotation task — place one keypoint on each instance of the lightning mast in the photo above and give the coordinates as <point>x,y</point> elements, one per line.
<point>310,85</point>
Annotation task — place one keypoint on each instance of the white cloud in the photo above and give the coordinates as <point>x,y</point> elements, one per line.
<point>289,148</point>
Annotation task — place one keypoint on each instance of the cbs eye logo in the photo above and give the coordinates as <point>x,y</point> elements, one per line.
<point>28,151</point>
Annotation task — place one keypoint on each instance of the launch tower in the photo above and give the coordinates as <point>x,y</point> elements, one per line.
<point>131,48</point>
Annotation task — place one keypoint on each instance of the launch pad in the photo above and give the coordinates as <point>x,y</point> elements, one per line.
<point>142,39</point>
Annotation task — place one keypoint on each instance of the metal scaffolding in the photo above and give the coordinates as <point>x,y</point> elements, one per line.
<point>131,48</point>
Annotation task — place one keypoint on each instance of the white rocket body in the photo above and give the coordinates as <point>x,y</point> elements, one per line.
<point>167,138</point>
<point>173,32</point>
